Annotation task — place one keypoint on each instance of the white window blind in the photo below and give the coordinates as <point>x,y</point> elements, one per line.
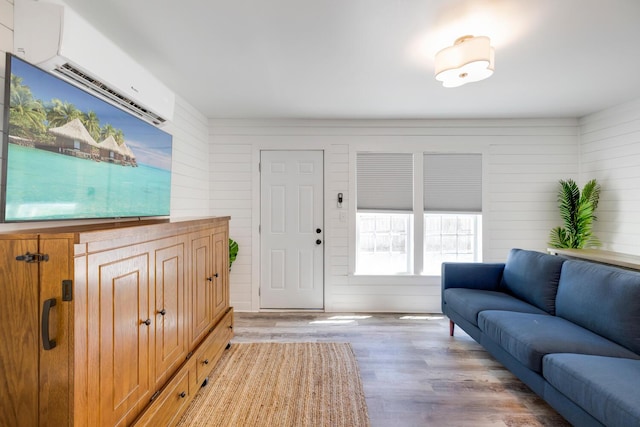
<point>385,181</point>
<point>452,182</point>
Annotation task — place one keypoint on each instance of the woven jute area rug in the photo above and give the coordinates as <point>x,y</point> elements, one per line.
<point>282,384</point>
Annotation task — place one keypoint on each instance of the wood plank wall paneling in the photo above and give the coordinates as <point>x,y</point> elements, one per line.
<point>523,161</point>
<point>190,169</point>
<point>610,153</point>
<point>231,183</point>
<point>6,45</point>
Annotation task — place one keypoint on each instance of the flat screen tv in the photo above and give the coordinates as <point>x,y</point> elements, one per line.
<point>70,155</point>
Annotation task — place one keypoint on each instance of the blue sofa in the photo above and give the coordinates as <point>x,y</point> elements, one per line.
<point>568,329</point>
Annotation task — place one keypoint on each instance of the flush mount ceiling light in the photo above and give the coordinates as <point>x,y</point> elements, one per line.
<point>470,59</point>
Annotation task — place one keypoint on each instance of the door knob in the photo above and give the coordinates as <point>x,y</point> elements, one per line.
<point>318,241</point>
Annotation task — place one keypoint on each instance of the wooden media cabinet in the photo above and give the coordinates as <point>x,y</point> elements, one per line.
<point>111,324</point>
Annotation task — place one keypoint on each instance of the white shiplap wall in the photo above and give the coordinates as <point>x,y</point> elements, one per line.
<point>190,163</point>
<point>610,153</point>
<point>190,167</point>
<point>523,161</point>
<point>6,45</point>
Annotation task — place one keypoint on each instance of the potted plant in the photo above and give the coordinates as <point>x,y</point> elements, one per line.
<point>578,213</point>
<point>233,251</point>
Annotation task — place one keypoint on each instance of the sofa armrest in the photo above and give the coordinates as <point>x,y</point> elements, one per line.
<point>486,276</point>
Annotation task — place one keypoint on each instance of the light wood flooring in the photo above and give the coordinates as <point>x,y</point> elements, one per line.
<point>413,372</point>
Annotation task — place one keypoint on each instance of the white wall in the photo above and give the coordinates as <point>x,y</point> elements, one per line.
<point>190,166</point>
<point>523,161</point>
<point>6,45</point>
<point>610,153</point>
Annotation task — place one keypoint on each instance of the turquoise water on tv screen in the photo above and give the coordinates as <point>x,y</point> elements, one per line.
<point>42,185</point>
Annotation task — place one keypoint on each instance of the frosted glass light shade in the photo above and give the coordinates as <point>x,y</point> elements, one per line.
<point>470,59</point>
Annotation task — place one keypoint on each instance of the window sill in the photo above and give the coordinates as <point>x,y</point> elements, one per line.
<point>398,279</point>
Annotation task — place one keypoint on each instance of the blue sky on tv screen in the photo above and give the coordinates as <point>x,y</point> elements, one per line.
<point>151,146</point>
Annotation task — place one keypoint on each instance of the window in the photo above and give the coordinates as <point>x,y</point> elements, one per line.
<point>450,237</point>
<point>383,243</point>
<point>452,209</point>
<point>447,211</point>
<point>385,213</point>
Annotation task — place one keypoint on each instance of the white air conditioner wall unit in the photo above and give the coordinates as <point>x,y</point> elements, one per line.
<point>57,39</point>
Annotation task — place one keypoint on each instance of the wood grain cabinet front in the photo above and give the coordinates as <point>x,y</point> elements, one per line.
<point>201,288</point>
<point>167,409</point>
<point>34,332</point>
<point>212,347</point>
<point>170,308</point>
<point>100,320</point>
<point>120,290</point>
<point>210,280</point>
<point>220,239</point>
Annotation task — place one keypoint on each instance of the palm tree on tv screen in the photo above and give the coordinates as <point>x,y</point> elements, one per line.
<point>92,123</point>
<point>119,136</point>
<point>61,112</point>
<point>26,114</point>
<point>106,131</point>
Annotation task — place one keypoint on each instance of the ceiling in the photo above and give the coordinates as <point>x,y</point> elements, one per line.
<point>373,59</point>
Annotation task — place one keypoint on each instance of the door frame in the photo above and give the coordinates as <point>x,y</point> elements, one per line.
<point>256,214</point>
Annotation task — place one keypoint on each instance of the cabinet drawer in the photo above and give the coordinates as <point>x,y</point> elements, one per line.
<point>167,409</point>
<point>212,347</point>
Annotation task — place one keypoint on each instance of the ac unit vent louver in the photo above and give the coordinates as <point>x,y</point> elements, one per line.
<point>103,90</point>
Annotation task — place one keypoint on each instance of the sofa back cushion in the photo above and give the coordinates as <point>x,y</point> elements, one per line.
<point>603,299</point>
<point>533,277</point>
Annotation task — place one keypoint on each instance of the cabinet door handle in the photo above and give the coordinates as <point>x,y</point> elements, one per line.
<point>47,343</point>
<point>210,279</point>
<point>183,395</point>
<point>205,361</point>
<point>162,312</point>
<point>215,275</point>
<point>146,322</point>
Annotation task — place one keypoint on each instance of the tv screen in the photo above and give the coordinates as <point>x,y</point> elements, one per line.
<point>70,155</point>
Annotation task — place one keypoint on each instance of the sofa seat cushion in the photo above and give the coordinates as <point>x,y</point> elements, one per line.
<point>469,302</point>
<point>533,277</point>
<point>607,387</point>
<point>529,337</point>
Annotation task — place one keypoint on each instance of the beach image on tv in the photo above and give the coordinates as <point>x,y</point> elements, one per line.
<point>71,155</point>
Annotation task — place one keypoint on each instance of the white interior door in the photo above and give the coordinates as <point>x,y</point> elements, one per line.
<point>291,230</point>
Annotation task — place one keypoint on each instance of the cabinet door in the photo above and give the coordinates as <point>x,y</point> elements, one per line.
<point>35,379</point>
<point>201,286</point>
<point>221,272</point>
<point>120,335</point>
<point>170,311</point>
<point>55,366</point>
<point>19,334</point>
